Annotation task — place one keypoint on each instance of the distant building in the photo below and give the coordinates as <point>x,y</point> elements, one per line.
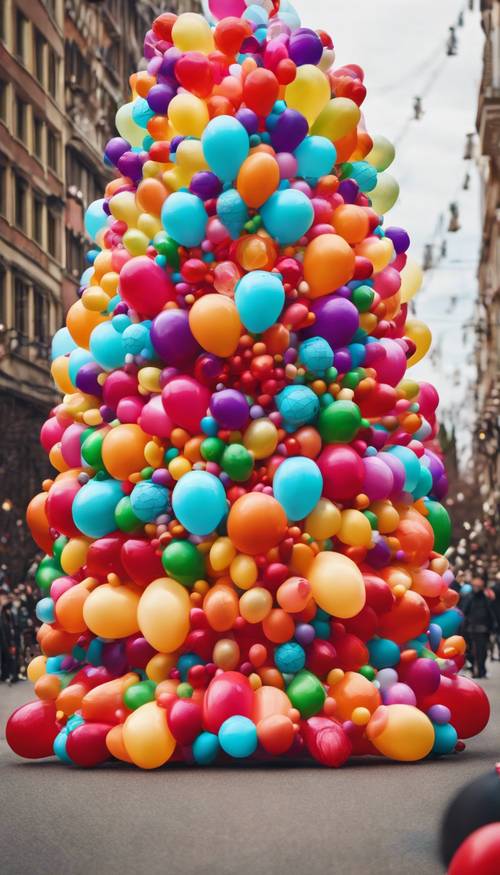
<point>64,68</point>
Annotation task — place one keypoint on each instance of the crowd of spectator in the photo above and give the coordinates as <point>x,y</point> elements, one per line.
<point>17,626</point>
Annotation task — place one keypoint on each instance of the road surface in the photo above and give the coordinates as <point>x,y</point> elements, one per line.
<point>372,817</point>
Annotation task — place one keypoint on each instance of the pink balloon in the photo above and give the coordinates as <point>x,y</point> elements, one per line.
<point>145,286</point>
<point>227,694</point>
<point>186,401</point>
<point>154,419</point>
<point>129,408</point>
<point>118,385</point>
<point>222,8</point>
<point>71,446</point>
<point>342,471</point>
<point>392,367</point>
<point>378,481</point>
<point>387,282</point>
<point>51,432</point>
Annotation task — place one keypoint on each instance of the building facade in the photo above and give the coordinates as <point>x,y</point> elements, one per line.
<point>487,435</point>
<point>64,68</point>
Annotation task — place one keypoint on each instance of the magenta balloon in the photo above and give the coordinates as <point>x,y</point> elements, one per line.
<point>129,408</point>
<point>154,419</point>
<point>145,286</point>
<point>399,694</point>
<point>342,471</point>
<point>378,480</point>
<point>398,471</point>
<point>172,338</point>
<point>50,433</point>
<point>186,402</point>
<point>392,367</point>
<point>71,446</point>
<point>118,385</point>
<point>423,676</point>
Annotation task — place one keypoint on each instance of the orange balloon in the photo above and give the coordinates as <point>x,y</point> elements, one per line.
<point>101,703</point>
<point>69,608</point>
<point>276,734</point>
<point>159,127</point>
<point>277,340</point>
<point>309,440</point>
<point>123,450</point>
<point>328,264</point>
<point>269,701</point>
<point>408,618</point>
<point>278,626</point>
<point>111,611</point>
<point>69,700</point>
<point>215,323</point>
<point>258,178</point>
<point>59,371</point>
<point>48,687</point>
<point>116,745</point>
<point>354,691</point>
<point>221,607</point>
<point>345,146</point>
<point>54,642</point>
<point>232,89</point>
<point>80,323</point>
<point>38,522</point>
<point>256,523</point>
<point>150,195</point>
<point>351,222</point>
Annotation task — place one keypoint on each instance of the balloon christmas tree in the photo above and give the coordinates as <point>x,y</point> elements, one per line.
<point>244,535</point>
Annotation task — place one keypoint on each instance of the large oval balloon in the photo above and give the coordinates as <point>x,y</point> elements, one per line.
<point>225,145</point>
<point>147,738</point>
<point>163,614</point>
<point>337,584</point>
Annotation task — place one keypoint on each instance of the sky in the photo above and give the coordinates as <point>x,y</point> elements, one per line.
<point>401,45</point>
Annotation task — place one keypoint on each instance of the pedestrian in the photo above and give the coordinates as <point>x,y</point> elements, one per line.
<point>479,624</point>
<point>495,590</point>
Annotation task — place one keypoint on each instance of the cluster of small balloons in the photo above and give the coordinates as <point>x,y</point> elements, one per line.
<point>244,536</point>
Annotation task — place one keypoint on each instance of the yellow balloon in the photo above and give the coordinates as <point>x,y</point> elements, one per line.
<point>387,516</point>
<point>337,584</point>
<point>411,280</point>
<point>243,571</point>
<point>385,193</point>
<point>338,118</point>
<point>222,553</point>
<point>135,241</point>
<point>309,92</point>
<point>74,554</point>
<point>379,251</point>
<point>160,666</point>
<point>94,298</point>
<point>163,614</point>
<point>147,738</point>
<point>111,611</point>
<point>149,379</point>
<point>149,225</point>
<point>261,438</point>
<point>421,335</point>
<point>382,153</point>
<point>59,370</point>
<point>401,732</point>
<point>355,529</point>
<point>36,668</point>
<point>188,114</point>
<point>127,127</point>
<point>256,604</point>
<point>123,206</point>
<point>191,33</point>
<point>324,521</point>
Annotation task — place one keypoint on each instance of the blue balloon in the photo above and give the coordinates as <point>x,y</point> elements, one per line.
<point>94,507</point>
<point>316,157</point>
<point>86,276</point>
<point>205,748</point>
<point>149,500</point>
<point>449,621</point>
<point>77,359</point>
<point>94,652</point>
<point>445,739</point>
<point>364,174</point>
<point>62,343</point>
<point>225,145</point>
<point>141,112</point>
<point>184,218</point>
<point>238,736</point>
<point>232,212</point>
<point>411,464</point>
<point>259,299</point>
<point>95,218</point>
<point>199,502</point>
<point>137,340</point>
<point>298,485</point>
<point>59,747</point>
<point>45,610</point>
<point>187,661</point>
<point>256,14</point>
<point>297,405</point>
<point>106,346</point>
<point>384,653</point>
<point>287,215</point>
<point>290,657</point>
<point>54,664</point>
<point>424,485</point>
<point>316,354</point>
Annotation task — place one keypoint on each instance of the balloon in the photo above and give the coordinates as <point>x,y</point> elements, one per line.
<point>227,695</point>
<point>123,450</point>
<point>411,279</point>
<point>184,218</point>
<point>401,732</point>
<point>297,485</point>
<point>382,153</point>
<point>256,522</point>
<point>308,93</point>
<point>139,275</point>
<point>342,471</point>
<point>258,178</point>
<point>238,736</point>
<point>94,507</point>
<point>163,614</point>
<point>185,402</point>
<point>479,852</point>
<point>385,193</point>
<point>215,324</point>
<point>225,146</point>
<point>111,611</point>
<point>337,584</point>
<point>199,502</point>
<point>421,336</point>
<point>287,215</point>
<point>316,157</point>
<point>31,730</point>
<point>188,115</point>
<point>328,264</point>
<point>475,806</point>
<point>259,300</point>
<point>147,738</point>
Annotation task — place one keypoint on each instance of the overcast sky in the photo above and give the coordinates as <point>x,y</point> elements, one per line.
<point>401,45</point>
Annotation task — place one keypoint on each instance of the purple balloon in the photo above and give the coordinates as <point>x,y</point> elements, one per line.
<point>115,148</point>
<point>205,185</point>
<point>349,191</point>
<point>398,471</point>
<point>423,676</point>
<point>399,694</point>
<point>380,555</point>
<point>400,239</point>
<point>249,119</point>
<point>170,58</point>
<point>130,164</point>
<point>114,658</point>
<point>159,97</point>
<point>305,47</point>
<point>337,320</point>
<point>378,481</point>
<point>290,130</point>
<point>172,339</point>
<point>139,652</point>
<point>86,379</point>
<point>230,408</point>
<point>439,714</point>
<point>343,360</point>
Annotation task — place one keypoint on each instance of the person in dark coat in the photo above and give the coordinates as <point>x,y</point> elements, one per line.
<point>480,622</point>
<point>495,589</point>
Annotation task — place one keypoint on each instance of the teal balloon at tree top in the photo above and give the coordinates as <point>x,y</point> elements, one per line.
<point>184,218</point>
<point>225,145</point>
<point>259,299</point>
<point>297,485</point>
<point>287,215</point>
<point>199,502</point>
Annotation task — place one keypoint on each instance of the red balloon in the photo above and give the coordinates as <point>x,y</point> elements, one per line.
<point>32,729</point>
<point>103,556</point>
<point>145,286</point>
<point>364,624</point>
<point>342,471</point>
<point>227,694</point>
<point>184,719</point>
<point>186,401</point>
<point>352,653</point>
<point>467,701</point>
<point>230,33</point>
<point>59,504</point>
<point>326,741</point>
<point>379,595</point>
<point>480,853</point>
<point>321,657</point>
<point>379,401</point>
<point>260,91</point>
<point>86,745</point>
<point>140,561</point>
<point>408,618</point>
<point>51,432</point>
<point>194,73</point>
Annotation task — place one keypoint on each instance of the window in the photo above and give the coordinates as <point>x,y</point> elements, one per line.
<point>52,150</point>
<point>52,233</point>
<point>3,189</point>
<point>20,202</point>
<point>51,7</point>
<point>21,115</point>
<point>2,21</point>
<point>41,315</point>
<point>39,46</point>
<point>3,296</point>
<point>53,70</point>
<point>77,68</point>
<point>38,136</point>
<point>21,299</point>
<point>38,218</point>
<point>20,29</point>
<point>3,100</point>
<point>74,253</point>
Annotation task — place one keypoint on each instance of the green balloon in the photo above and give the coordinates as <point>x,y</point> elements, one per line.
<point>125,517</point>
<point>92,449</point>
<point>438,517</point>
<point>212,449</point>
<point>139,694</point>
<point>362,298</point>
<point>59,546</point>
<point>368,672</point>
<point>48,571</point>
<point>306,693</point>
<point>237,462</point>
<point>167,247</point>
<point>339,422</point>
<point>182,561</point>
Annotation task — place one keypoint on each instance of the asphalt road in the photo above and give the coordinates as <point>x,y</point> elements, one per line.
<point>371,817</point>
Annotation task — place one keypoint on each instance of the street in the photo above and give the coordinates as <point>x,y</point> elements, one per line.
<point>371,816</point>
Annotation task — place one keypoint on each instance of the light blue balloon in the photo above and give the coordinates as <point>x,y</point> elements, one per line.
<point>45,610</point>
<point>137,340</point>
<point>384,653</point>
<point>287,215</point>
<point>59,747</point>
<point>53,664</point>
<point>95,218</point>
<point>364,174</point>
<point>316,354</point>
<point>184,218</point>
<point>86,276</point>
<point>424,485</point>
<point>411,464</point>
<point>62,343</point>
<point>106,346</point>
<point>205,748</point>
<point>298,485</point>
<point>445,739</point>
<point>256,14</point>
<point>259,299</point>
<point>232,211</point>
<point>316,157</point>
<point>149,500</point>
<point>77,359</point>
<point>297,405</point>
<point>94,507</point>
<point>289,15</point>
<point>238,737</point>
<point>94,652</point>
<point>449,621</point>
<point>141,112</point>
<point>199,502</point>
<point>225,145</point>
